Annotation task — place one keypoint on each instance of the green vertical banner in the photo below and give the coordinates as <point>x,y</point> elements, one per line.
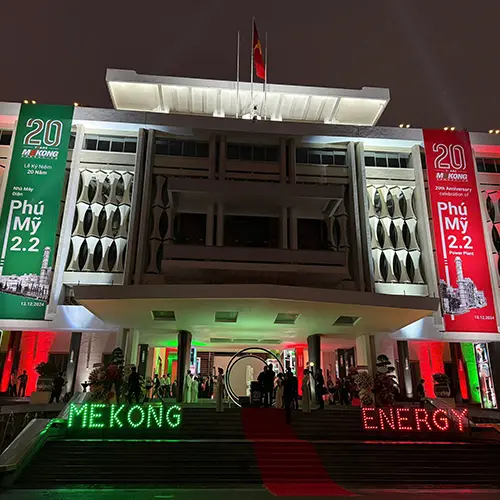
<point>30,213</point>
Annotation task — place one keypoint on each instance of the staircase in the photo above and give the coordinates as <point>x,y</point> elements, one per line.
<point>317,454</point>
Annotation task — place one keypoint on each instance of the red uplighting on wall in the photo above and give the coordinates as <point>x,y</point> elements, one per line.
<point>35,349</point>
<point>299,360</point>
<point>430,357</point>
<point>462,378</point>
<point>7,367</point>
<point>412,419</point>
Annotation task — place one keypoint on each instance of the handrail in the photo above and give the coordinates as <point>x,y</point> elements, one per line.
<point>443,405</point>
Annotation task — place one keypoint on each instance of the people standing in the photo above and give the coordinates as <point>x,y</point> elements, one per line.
<point>306,392</point>
<point>12,389</point>
<point>420,392</point>
<point>219,390</point>
<point>187,387</point>
<point>134,386</point>
<point>23,382</point>
<point>280,381</point>
<point>194,390</point>
<point>270,384</point>
<point>57,387</point>
<point>156,388</point>
<point>320,389</point>
<point>168,385</point>
<point>289,394</point>
<point>261,379</point>
<point>344,391</point>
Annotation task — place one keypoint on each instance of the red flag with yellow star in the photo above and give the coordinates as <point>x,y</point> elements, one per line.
<point>258,58</point>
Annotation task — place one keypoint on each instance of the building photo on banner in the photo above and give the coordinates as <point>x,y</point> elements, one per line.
<point>199,219</point>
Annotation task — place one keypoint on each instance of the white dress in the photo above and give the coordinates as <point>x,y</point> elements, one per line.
<point>187,389</point>
<point>194,391</point>
<point>306,395</point>
<point>280,389</point>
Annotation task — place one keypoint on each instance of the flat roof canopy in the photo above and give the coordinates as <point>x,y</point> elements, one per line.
<point>192,96</point>
<point>194,308</point>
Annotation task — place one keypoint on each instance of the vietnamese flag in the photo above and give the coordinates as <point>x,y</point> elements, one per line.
<point>258,58</point>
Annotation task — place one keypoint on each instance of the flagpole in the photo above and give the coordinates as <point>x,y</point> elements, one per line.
<point>251,68</point>
<point>238,77</point>
<point>265,82</point>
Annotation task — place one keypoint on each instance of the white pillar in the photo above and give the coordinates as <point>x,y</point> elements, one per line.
<point>366,354</point>
<point>132,347</point>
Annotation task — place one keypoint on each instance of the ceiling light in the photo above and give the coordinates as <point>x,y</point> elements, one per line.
<point>407,125</point>
<point>497,131</point>
<point>452,129</point>
<point>76,104</point>
<point>401,125</point>
<point>33,102</point>
<point>26,101</point>
<point>445,128</point>
<point>490,131</point>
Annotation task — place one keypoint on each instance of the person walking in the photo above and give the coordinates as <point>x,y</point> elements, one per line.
<point>261,379</point>
<point>156,388</point>
<point>23,382</point>
<point>280,382</point>
<point>420,393</point>
<point>289,394</point>
<point>168,385</point>
<point>134,386</point>
<point>344,392</point>
<point>320,389</point>
<point>188,382</point>
<point>270,384</point>
<point>219,391</point>
<point>306,393</point>
<point>195,386</point>
<point>57,387</point>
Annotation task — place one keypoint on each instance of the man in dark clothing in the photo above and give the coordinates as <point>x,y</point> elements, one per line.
<point>420,393</point>
<point>344,392</point>
<point>261,379</point>
<point>57,387</point>
<point>269,383</point>
<point>134,386</point>
<point>23,381</point>
<point>320,389</point>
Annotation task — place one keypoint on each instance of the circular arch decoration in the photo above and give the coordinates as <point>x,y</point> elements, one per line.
<point>246,353</point>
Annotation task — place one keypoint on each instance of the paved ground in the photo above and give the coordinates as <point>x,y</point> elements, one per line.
<point>237,494</point>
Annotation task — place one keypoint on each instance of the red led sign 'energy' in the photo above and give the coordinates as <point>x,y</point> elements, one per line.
<point>412,419</point>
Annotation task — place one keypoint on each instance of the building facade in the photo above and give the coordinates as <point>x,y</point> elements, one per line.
<point>212,217</point>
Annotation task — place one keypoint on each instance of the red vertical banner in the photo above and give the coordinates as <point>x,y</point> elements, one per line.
<point>464,277</point>
<point>299,360</point>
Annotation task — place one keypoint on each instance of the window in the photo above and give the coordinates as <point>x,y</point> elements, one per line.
<point>249,231</point>
<point>72,139</point>
<point>248,152</point>
<point>387,160</point>
<point>190,229</point>
<point>489,165</point>
<point>5,137</point>
<point>109,144</point>
<point>312,234</point>
<point>176,147</point>
<point>314,156</point>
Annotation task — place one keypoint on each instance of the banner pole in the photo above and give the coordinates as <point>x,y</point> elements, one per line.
<point>265,82</point>
<point>251,67</point>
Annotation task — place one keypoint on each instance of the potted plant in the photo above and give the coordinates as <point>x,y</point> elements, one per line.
<point>46,373</point>
<point>364,382</point>
<point>385,384</point>
<point>441,385</point>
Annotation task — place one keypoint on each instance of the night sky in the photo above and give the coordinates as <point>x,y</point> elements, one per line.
<point>438,57</point>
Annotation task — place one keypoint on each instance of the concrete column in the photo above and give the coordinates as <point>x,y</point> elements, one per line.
<point>151,364</point>
<point>74,356</point>
<point>183,352</point>
<point>284,227</point>
<point>220,225</point>
<point>405,382</point>
<point>121,339</point>
<point>132,346</point>
<point>366,354</point>
<point>294,239</point>
<point>291,161</point>
<point>456,354</point>
<point>209,232</point>
<point>283,160</point>
<point>314,351</point>
<point>143,359</point>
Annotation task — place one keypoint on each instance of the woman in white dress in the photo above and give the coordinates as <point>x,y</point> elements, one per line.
<point>219,390</point>
<point>306,393</point>
<point>187,388</point>
<point>194,390</point>
<point>280,389</point>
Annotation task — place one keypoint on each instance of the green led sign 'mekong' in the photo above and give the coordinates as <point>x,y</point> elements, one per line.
<point>102,416</point>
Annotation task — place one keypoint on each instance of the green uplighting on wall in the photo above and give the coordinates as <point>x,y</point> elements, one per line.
<point>470,362</point>
<point>103,416</point>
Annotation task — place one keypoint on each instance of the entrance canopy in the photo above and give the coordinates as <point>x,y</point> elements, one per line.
<point>242,315</point>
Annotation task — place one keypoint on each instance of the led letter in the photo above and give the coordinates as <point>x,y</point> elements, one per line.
<point>113,416</point>
<point>423,420</point>
<point>366,418</point>
<point>75,411</point>
<point>401,420</point>
<point>443,424</point>
<point>95,415</point>
<point>129,415</point>
<point>173,416</point>
<point>460,418</point>
<point>152,415</point>
<point>383,416</point>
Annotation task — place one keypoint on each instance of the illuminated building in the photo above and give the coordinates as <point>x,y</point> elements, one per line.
<point>305,231</point>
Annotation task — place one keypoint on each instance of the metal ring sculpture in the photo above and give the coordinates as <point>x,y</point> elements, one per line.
<point>238,357</point>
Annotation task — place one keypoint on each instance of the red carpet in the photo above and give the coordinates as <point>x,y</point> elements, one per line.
<point>290,466</point>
